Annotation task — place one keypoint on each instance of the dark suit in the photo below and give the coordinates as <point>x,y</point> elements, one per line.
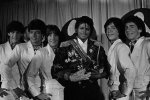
<point>68,61</point>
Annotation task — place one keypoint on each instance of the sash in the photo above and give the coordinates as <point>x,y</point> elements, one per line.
<point>87,60</point>
<point>80,50</point>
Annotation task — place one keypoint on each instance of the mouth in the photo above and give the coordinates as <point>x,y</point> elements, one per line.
<point>129,33</point>
<point>110,34</point>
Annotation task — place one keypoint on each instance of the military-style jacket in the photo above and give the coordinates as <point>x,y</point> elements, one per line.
<point>68,61</point>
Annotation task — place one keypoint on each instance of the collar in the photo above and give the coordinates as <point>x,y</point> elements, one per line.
<point>50,50</point>
<point>29,44</point>
<point>139,41</point>
<point>113,46</point>
<point>8,45</point>
<point>82,43</point>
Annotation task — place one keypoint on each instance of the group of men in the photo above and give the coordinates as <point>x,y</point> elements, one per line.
<point>76,66</point>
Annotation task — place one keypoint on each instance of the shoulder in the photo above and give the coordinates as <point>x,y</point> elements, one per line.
<point>43,51</point>
<point>2,46</point>
<point>122,47</point>
<point>95,42</point>
<point>65,43</point>
<point>22,45</point>
<point>146,42</point>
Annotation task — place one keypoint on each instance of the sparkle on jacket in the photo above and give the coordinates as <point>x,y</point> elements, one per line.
<point>68,60</point>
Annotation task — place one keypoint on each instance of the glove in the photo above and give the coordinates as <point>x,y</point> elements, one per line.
<point>19,92</point>
<point>95,74</point>
<point>79,76</point>
<point>3,92</point>
<point>116,94</point>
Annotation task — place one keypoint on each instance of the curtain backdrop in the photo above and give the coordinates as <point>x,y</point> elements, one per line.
<point>60,11</point>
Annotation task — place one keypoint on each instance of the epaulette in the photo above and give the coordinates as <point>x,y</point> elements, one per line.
<point>65,44</point>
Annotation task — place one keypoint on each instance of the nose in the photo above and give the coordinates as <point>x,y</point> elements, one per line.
<point>34,34</point>
<point>14,34</point>
<point>127,29</point>
<point>109,30</point>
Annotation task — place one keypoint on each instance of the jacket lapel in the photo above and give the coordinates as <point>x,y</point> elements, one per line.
<point>30,50</point>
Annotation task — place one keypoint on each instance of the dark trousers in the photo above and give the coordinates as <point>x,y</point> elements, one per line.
<point>90,92</point>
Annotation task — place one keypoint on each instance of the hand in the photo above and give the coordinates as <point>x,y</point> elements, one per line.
<point>43,96</point>
<point>3,92</point>
<point>19,92</point>
<point>110,83</point>
<point>80,75</point>
<point>145,94</point>
<point>95,74</point>
<point>116,94</point>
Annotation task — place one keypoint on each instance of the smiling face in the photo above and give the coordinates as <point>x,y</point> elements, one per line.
<point>53,39</point>
<point>83,31</point>
<point>132,32</point>
<point>35,37</point>
<point>112,32</point>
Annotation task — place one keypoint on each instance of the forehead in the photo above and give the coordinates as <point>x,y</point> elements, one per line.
<point>111,25</point>
<point>130,24</point>
<point>35,30</point>
<point>84,25</point>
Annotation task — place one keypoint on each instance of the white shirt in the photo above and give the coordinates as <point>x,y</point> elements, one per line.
<point>83,44</point>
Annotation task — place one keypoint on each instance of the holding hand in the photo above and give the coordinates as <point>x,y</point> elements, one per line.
<point>116,94</point>
<point>80,75</point>
<point>3,92</point>
<point>95,74</point>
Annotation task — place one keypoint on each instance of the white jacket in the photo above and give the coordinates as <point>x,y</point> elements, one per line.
<point>5,51</point>
<point>43,60</point>
<point>141,59</point>
<point>121,65</point>
<point>21,55</point>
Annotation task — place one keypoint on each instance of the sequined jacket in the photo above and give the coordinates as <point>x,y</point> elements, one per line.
<point>68,60</point>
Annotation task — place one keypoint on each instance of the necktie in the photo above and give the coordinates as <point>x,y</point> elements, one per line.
<point>131,45</point>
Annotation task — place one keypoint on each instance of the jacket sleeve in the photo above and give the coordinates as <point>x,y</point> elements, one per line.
<point>129,71</point>
<point>103,63</point>
<point>32,73</point>
<point>60,69</point>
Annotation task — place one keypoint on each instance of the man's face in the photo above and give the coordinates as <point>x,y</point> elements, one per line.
<point>112,32</point>
<point>15,37</point>
<point>83,31</point>
<point>132,32</point>
<point>53,39</point>
<point>35,37</point>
